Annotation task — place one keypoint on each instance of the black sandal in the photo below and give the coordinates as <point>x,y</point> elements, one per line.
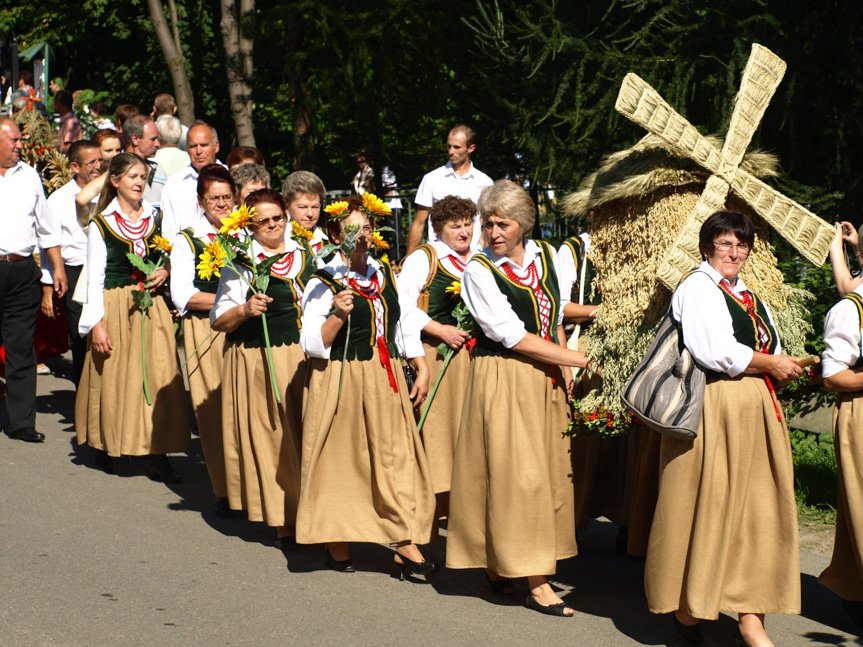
<point>558,609</point>
<point>498,586</point>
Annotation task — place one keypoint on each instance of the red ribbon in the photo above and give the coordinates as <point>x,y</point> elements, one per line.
<point>384,354</point>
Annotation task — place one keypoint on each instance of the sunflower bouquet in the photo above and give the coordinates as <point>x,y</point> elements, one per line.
<point>373,208</point>
<point>463,321</point>
<point>233,240</point>
<point>142,296</point>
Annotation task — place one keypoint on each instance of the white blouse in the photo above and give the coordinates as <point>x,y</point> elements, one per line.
<point>412,278</point>
<point>97,256</point>
<point>233,290</point>
<point>708,332</point>
<point>567,272</point>
<point>842,336</point>
<point>490,307</point>
<point>318,305</point>
<point>184,264</point>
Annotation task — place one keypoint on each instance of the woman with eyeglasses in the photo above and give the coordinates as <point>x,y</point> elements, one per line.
<point>111,412</point>
<point>262,436</point>
<point>194,297</point>
<point>724,535</point>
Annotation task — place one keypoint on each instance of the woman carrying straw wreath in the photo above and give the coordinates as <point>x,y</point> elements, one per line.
<point>111,411</point>
<point>840,368</point>
<point>452,221</point>
<point>262,431</point>
<point>511,505</point>
<point>365,475</point>
<point>194,295</point>
<point>724,535</point>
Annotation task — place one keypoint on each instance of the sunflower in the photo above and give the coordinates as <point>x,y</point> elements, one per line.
<point>374,206</point>
<point>298,232</point>
<point>212,260</point>
<point>378,240</point>
<point>337,210</point>
<point>161,243</point>
<point>454,289</point>
<point>237,220</point>
<point>385,259</point>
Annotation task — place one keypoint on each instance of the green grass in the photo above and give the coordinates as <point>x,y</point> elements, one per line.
<point>815,485</point>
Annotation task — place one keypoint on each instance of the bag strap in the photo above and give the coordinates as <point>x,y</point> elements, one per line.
<point>857,300</point>
<point>432,256</point>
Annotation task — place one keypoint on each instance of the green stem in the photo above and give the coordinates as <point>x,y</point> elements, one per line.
<point>270,358</point>
<point>195,352</point>
<point>144,356</point>
<point>446,360</point>
<point>344,358</point>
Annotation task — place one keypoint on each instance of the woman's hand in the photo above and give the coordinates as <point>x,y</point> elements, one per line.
<point>344,303</point>
<point>256,306</point>
<point>453,337</point>
<point>849,233</point>
<point>47,306</point>
<point>101,340</point>
<point>784,368</point>
<point>156,279</point>
<point>420,391</point>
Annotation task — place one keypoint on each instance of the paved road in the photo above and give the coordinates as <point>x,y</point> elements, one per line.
<point>90,559</point>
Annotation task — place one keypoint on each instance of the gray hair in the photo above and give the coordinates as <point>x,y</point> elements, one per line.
<point>245,173</point>
<point>134,126</point>
<point>170,129</point>
<point>303,182</point>
<point>506,199</point>
<point>201,122</point>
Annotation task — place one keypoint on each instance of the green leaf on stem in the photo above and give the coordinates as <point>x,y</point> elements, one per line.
<point>147,267</point>
<point>143,299</point>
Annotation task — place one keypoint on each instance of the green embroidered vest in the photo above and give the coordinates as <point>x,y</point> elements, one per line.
<point>118,269</point>
<point>211,285</point>
<point>441,302</point>
<point>523,302</point>
<point>283,314</point>
<point>746,325</point>
<point>363,341</point>
<point>576,245</point>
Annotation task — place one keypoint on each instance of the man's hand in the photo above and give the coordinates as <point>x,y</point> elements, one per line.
<point>47,306</point>
<point>61,283</point>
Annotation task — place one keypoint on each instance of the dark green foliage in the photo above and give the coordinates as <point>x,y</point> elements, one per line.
<point>815,476</point>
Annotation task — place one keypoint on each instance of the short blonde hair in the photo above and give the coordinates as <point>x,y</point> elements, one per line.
<point>506,199</point>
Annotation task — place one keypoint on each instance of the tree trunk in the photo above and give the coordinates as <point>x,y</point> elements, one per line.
<point>173,52</point>
<point>238,39</point>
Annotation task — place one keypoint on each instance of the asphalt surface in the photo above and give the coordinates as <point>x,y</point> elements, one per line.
<point>91,559</point>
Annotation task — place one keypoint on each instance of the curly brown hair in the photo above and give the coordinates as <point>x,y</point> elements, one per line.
<point>449,209</point>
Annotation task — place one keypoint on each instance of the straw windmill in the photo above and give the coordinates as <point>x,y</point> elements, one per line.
<point>646,206</point>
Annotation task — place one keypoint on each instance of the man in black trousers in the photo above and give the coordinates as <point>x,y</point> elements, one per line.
<point>25,221</point>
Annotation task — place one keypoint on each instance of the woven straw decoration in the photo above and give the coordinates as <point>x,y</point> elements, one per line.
<point>807,233</point>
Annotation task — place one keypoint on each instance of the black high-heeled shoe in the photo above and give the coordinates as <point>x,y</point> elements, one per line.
<point>410,566</point>
<point>343,566</point>
<point>692,633</point>
<point>498,586</point>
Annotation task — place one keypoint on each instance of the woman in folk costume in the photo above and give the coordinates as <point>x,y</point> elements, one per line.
<point>194,297</point>
<point>511,505</point>
<point>840,368</point>
<point>304,194</point>
<point>442,261</point>
<point>111,412</point>
<point>365,475</point>
<point>262,436</point>
<point>724,535</point>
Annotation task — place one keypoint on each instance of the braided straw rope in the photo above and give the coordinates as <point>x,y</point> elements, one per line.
<point>807,233</point>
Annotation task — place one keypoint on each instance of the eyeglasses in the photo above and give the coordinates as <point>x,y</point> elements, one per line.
<point>216,199</point>
<point>266,221</point>
<point>742,248</point>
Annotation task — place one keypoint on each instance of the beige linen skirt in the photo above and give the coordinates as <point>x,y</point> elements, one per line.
<point>262,439</point>
<point>205,387</point>
<point>365,475</point>
<point>511,505</point>
<point>645,491</point>
<point>111,412</point>
<point>844,575</point>
<point>724,535</point>
<point>440,429</point>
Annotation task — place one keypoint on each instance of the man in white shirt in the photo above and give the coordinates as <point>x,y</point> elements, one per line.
<point>457,177</point>
<point>85,158</point>
<point>180,208</point>
<point>169,156</point>
<point>25,220</point>
<point>142,138</point>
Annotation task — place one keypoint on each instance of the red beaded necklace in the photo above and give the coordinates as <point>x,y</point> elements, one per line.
<point>134,233</point>
<point>531,280</point>
<point>280,268</point>
<point>457,263</point>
